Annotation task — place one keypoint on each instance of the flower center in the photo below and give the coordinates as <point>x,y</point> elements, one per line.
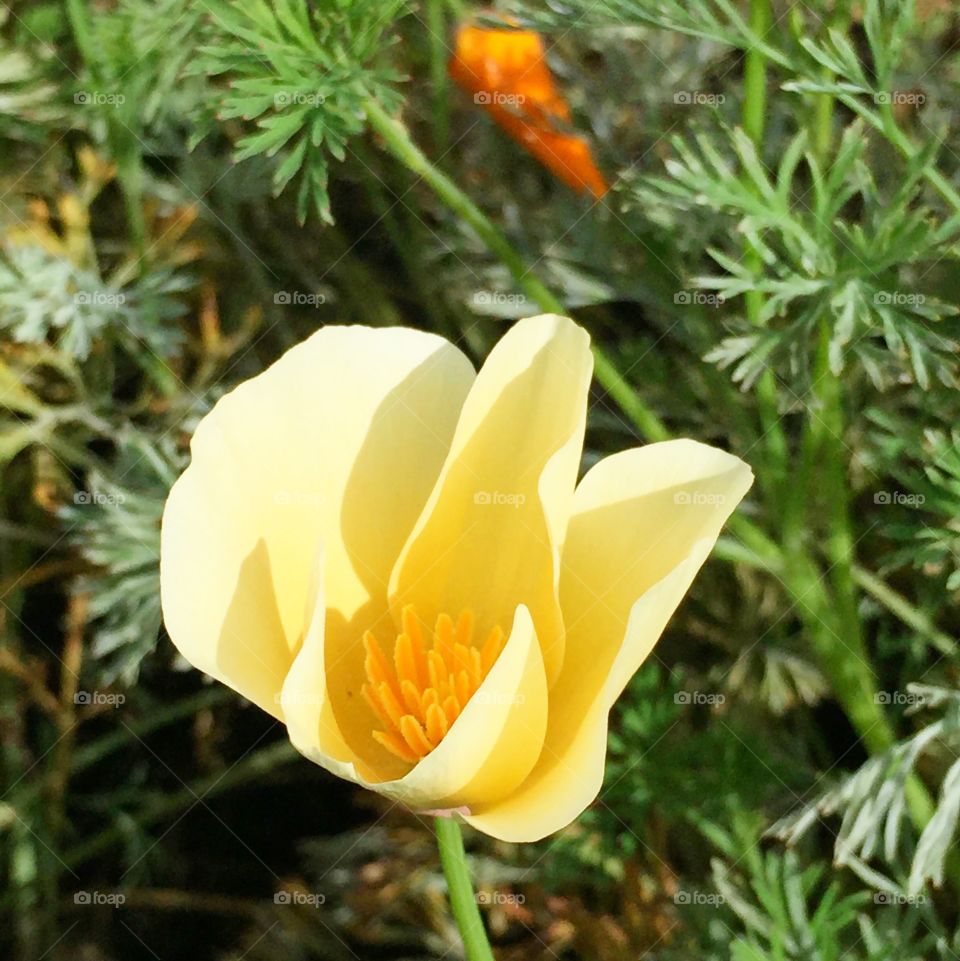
<point>419,696</point>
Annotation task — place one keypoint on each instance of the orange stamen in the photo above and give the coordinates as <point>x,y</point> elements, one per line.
<point>437,725</point>
<point>395,745</point>
<point>418,697</point>
<point>413,734</point>
<point>451,707</point>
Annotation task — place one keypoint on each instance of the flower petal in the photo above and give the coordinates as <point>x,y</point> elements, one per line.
<point>489,538</point>
<point>644,521</point>
<point>489,751</point>
<point>305,701</point>
<point>309,451</point>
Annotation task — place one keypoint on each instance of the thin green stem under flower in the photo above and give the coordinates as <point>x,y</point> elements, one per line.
<point>463,902</point>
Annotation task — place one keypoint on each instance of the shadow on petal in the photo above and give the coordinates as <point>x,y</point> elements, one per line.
<point>391,479</point>
<point>251,618</point>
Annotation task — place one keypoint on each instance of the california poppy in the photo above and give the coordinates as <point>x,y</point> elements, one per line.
<point>507,73</point>
<point>390,553</point>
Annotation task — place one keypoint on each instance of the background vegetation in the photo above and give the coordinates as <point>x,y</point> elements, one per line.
<point>188,187</point>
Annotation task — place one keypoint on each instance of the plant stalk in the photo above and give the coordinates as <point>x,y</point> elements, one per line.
<point>437,30</point>
<point>397,141</point>
<point>463,901</point>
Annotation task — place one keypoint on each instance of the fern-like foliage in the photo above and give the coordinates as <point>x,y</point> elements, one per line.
<point>786,910</point>
<point>872,804</point>
<point>47,298</point>
<point>862,280</point>
<point>926,463</point>
<point>835,66</point>
<point>115,525</point>
<point>141,50</point>
<point>28,93</point>
<point>302,74</point>
<point>719,21</point>
<point>770,905</point>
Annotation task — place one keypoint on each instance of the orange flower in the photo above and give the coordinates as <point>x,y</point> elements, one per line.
<point>506,72</point>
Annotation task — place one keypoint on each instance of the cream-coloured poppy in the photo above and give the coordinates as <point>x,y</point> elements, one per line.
<point>390,553</point>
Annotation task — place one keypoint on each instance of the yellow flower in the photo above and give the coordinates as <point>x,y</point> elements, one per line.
<point>390,553</point>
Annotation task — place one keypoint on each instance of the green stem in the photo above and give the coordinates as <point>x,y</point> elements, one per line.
<point>847,663</point>
<point>614,383</point>
<point>912,616</point>
<point>437,31</point>
<point>853,677</point>
<point>893,132</point>
<point>398,142</point>
<point>463,901</point>
<point>738,552</point>
<point>755,74</point>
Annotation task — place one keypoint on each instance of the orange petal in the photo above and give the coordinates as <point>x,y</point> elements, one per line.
<point>509,77</point>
